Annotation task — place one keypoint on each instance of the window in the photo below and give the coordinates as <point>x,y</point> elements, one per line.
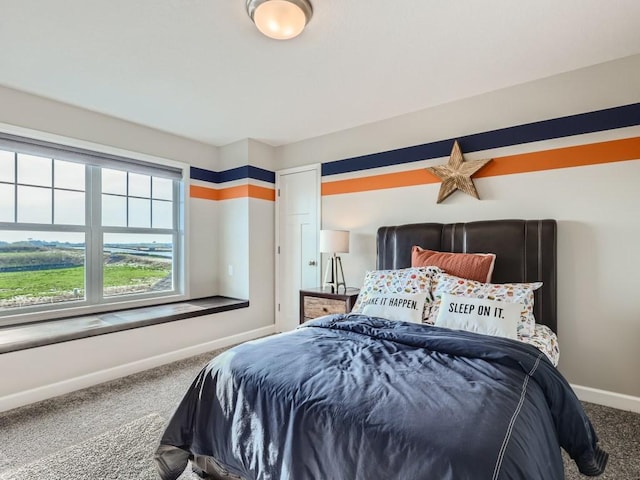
<point>80,228</point>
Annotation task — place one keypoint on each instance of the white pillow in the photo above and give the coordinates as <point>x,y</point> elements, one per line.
<point>479,315</point>
<point>396,306</point>
<point>520,293</point>
<point>403,281</point>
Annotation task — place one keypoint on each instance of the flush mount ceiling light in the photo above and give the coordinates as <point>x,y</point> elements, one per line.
<point>280,19</point>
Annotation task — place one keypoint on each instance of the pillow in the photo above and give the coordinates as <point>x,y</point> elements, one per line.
<point>546,341</point>
<point>474,266</point>
<point>404,280</point>
<point>521,293</point>
<point>480,315</point>
<point>396,306</point>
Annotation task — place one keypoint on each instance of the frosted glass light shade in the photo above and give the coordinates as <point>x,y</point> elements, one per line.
<point>334,241</point>
<point>280,19</point>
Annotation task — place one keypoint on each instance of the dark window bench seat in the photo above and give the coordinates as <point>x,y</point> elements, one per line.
<point>38,334</point>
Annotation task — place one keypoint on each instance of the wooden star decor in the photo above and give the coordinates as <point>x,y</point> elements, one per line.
<point>456,174</point>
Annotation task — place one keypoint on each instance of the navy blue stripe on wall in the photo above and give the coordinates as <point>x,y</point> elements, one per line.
<point>239,173</point>
<point>608,119</point>
<point>247,171</point>
<point>204,175</point>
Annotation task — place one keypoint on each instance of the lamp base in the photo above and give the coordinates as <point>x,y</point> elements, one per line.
<point>334,275</point>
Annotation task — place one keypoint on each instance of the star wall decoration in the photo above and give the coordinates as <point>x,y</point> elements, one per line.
<point>456,174</point>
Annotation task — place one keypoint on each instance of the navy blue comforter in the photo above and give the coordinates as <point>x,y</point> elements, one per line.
<point>354,397</point>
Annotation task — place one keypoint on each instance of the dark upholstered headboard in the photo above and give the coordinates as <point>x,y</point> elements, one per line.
<point>525,252</point>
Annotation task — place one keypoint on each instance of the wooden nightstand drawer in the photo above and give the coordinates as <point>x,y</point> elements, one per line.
<point>317,307</point>
<point>317,302</point>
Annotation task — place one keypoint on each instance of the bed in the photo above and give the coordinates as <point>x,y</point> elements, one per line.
<point>363,397</point>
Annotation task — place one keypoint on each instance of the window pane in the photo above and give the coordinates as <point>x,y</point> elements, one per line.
<point>7,202</point>
<point>137,263</point>
<point>34,170</point>
<point>139,185</point>
<point>162,214</point>
<point>114,211</point>
<point>7,167</point>
<point>68,207</point>
<point>114,181</point>
<point>162,188</point>
<point>40,268</point>
<point>139,212</point>
<point>68,175</point>
<point>34,205</point>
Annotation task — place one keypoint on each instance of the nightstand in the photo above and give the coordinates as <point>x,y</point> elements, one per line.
<point>316,302</point>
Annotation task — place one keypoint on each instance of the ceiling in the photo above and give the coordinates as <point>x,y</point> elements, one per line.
<point>200,69</point>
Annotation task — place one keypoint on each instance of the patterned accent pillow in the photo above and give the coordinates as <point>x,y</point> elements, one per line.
<point>505,292</point>
<point>404,280</point>
<point>546,341</point>
<point>474,266</point>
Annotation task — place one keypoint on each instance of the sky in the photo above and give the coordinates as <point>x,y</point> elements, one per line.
<point>53,192</point>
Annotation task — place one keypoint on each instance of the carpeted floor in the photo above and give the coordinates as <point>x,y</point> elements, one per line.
<point>82,435</point>
<point>35,432</point>
<point>101,456</point>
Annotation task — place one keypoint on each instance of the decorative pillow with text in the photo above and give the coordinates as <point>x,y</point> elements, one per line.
<point>403,281</point>
<point>519,293</point>
<point>396,306</point>
<point>479,315</point>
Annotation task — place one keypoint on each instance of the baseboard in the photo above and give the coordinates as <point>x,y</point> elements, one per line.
<point>608,399</point>
<point>60,388</point>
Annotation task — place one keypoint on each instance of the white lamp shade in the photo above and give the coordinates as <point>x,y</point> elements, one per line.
<point>279,19</point>
<point>334,241</point>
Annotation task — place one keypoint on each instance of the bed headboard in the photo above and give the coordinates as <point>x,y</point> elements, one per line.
<point>525,252</point>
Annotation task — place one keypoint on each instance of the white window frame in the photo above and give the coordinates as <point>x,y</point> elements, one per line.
<point>94,301</point>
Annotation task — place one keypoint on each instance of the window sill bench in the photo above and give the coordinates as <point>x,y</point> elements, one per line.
<point>38,334</point>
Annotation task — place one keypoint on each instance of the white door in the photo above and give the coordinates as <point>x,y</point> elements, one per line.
<point>297,227</point>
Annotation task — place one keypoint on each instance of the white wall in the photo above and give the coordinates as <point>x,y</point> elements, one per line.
<point>262,256</point>
<point>246,230</point>
<point>38,113</point>
<point>585,90</point>
<point>203,261</point>
<point>596,207</point>
<point>233,247</point>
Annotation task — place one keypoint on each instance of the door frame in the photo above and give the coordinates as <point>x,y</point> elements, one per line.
<point>278,283</point>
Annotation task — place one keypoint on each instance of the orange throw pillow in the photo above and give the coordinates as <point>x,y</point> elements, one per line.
<point>473,266</point>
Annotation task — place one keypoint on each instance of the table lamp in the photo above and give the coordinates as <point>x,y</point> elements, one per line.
<point>334,242</point>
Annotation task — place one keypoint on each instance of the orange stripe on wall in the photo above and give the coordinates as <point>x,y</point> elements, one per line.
<point>592,154</point>
<point>262,193</point>
<point>229,193</point>
<point>251,191</point>
<point>581,155</point>
<point>240,191</point>
<point>203,192</point>
<point>379,182</point>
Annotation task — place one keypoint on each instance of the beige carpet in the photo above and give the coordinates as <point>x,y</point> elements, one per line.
<point>130,446</point>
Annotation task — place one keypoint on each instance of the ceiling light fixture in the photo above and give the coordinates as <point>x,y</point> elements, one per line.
<point>280,19</point>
